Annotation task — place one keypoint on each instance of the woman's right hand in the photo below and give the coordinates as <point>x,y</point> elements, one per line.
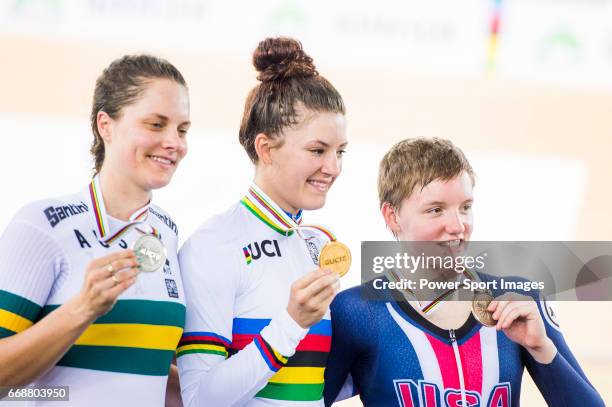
<point>311,295</point>
<point>29,354</point>
<point>105,279</point>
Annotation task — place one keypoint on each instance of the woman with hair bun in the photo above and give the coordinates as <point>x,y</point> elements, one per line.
<point>257,328</point>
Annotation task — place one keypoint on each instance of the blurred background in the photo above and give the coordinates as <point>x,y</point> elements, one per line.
<point>524,87</point>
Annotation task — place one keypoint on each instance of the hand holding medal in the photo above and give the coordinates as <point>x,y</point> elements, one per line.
<point>519,318</point>
<point>312,294</point>
<point>106,278</point>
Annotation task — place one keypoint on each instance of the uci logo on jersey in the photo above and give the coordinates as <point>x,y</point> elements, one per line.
<point>253,251</point>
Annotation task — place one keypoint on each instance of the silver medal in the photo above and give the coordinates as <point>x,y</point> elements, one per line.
<point>150,253</point>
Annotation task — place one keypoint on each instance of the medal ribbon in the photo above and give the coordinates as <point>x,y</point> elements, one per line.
<point>427,307</point>
<point>326,232</point>
<point>107,236</point>
<point>258,203</point>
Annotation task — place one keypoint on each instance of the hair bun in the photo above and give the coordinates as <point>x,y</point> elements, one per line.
<point>282,58</point>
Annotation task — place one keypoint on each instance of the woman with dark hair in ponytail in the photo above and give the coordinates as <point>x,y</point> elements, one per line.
<point>257,327</point>
<point>84,302</point>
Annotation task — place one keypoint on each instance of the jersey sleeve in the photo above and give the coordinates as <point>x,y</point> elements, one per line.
<point>31,260</point>
<point>210,372</point>
<point>561,382</point>
<point>349,322</point>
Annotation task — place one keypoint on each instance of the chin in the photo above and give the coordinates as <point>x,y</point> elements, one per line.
<point>158,182</point>
<point>313,203</point>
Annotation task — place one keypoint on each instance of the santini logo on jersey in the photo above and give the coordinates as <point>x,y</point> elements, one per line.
<point>56,214</point>
<point>253,251</point>
<point>409,394</point>
<point>169,222</point>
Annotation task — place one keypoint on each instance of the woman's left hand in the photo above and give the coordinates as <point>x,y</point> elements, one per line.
<point>518,317</point>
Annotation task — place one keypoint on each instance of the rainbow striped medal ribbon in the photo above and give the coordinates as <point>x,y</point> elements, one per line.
<point>428,307</point>
<point>334,255</point>
<point>149,249</point>
<point>480,302</point>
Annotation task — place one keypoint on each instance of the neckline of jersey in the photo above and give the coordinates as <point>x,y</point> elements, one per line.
<point>464,332</point>
<point>297,217</point>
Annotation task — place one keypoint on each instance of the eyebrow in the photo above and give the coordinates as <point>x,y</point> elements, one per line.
<point>166,119</point>
<point>160,116</point>
<point>324,144</point>
<point>440,203</point>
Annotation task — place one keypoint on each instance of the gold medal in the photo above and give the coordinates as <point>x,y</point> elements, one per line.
<point>480,302</point>
<point>335,256</point>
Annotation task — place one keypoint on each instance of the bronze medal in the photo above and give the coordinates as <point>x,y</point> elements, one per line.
<point>335,256</point>
<point>480,302</point>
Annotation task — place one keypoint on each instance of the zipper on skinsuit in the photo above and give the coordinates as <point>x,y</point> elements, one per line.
<point>453,340</point>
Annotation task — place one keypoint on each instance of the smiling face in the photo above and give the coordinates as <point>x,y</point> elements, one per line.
<point>147,141</point>
<point>299,169</point>
<point>441,211</point>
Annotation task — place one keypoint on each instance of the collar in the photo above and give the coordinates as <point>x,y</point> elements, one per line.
<point>297,218</point>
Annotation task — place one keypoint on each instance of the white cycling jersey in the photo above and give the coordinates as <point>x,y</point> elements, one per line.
<point>123,358</point>
<point>240,346</point>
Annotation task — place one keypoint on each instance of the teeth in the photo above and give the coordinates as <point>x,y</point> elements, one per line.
<point>323,186</point>
<point>160,159</point>
<point>452,243</point>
